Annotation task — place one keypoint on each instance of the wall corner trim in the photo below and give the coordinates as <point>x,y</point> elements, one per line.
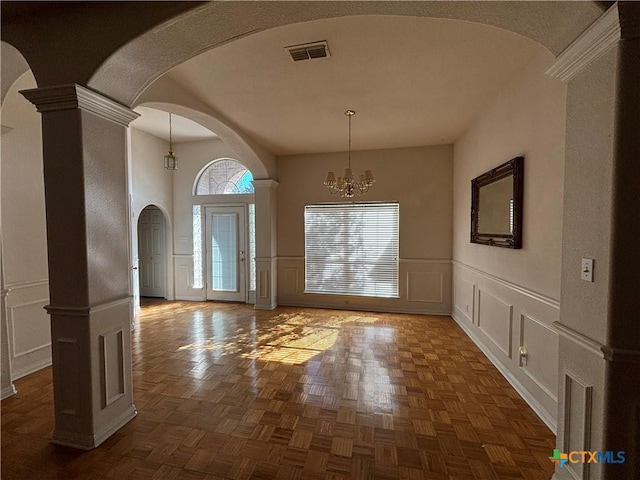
<point>594,42</point>
<point>74,96</point>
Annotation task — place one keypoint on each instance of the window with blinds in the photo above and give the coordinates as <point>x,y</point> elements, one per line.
<point>352,249</point>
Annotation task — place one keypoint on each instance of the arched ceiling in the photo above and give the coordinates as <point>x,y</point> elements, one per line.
<point>156,123</point>
<point>412,81</point>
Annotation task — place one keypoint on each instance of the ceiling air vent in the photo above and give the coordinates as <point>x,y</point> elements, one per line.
<point>308,51</point>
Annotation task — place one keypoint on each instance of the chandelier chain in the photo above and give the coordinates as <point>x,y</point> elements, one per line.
<point>348,186</point>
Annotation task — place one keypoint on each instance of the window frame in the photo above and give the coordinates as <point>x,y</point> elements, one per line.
<point>364,265</point>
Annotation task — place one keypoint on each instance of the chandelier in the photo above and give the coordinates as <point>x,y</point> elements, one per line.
<point>170,160</point>
<point>347,186</point>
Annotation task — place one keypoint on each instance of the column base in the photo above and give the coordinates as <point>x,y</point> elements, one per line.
<point>88,442</point>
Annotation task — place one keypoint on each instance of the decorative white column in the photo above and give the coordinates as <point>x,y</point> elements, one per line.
<point>266,244</point>
<point>599,349</point>
<point>84,149</point>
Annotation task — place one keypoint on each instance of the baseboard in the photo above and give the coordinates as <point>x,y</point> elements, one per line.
<point>267,306</point>
<point>8,391</point>
<point>364,308</point>
<point>30,369</point>
<point>88,442</point>
<point>506,373</point>
<point>190,298</point>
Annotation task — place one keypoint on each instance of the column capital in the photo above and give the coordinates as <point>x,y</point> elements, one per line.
<point>265,183</point>
<point>74,96</point>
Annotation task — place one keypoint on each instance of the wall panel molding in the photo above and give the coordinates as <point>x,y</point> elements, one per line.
<point>547,416</point>
<point>425,287</point>
<point>15,321</point>
<point>491,311</point>
<point>577,421</point>
<point>68,352</point>
<point>540,367</point>
<point>28,326</point>
<point>112,366</point>
<point>505,316</point>
<point>11,287</point>
<point>464,298</point>
<point>552,302</point>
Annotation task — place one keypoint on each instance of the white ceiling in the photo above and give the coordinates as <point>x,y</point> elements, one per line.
<point>156,122</point>
<point>412,81</point>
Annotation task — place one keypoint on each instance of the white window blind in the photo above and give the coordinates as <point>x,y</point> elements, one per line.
<point>352,249</point>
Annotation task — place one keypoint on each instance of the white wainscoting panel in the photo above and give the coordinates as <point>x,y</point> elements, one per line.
<point>495,319</point>
<point>112,366</point>
<point>69,354</point>
<point>506,316</point>
<point>541,366</point>
<point>29,327</point>
<point>577,422</point>
<point>184,290</point>
<point>426,289</point>
<point>290,276</point>
<point>463,298</point>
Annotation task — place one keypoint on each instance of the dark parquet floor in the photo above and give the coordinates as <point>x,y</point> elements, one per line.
<point>227,392</point>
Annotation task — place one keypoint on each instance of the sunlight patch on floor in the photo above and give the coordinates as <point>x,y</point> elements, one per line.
<point>292,338</point>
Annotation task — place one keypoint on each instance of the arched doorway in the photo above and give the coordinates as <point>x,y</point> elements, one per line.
<point>152,265</point>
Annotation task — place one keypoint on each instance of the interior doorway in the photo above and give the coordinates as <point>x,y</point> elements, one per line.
<point>152,253</point>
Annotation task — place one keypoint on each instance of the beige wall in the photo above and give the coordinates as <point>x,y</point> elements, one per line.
<point>152,184</point>
<point>24,233</point>
<point>25,242</point>
<point>527,119</point>
<point>419,178</point>
<point>507,300</point>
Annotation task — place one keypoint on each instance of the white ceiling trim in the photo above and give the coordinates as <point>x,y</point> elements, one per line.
<point>594,42</point>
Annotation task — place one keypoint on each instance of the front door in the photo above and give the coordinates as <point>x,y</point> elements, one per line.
<point>152,253</point>
<point>226,247</point>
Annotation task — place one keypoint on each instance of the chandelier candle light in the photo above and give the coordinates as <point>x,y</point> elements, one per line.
<point>170,160</point>
<point>346,185</point>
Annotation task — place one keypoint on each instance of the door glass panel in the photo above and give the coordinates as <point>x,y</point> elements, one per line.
<point>224,258</point>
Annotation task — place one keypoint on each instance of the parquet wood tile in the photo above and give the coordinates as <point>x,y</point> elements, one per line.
<point>227,392</point>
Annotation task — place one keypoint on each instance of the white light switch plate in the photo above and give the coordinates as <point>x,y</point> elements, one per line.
<point>587,270</point>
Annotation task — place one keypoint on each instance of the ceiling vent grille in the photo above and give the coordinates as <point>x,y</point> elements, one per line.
<point>308,51</point>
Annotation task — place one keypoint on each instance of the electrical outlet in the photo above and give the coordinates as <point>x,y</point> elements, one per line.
<point>523,357</point>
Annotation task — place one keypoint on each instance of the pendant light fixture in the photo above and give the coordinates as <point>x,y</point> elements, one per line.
<point>347,186</point>
<point>170,160</point>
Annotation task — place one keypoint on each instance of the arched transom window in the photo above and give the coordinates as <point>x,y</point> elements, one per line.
<point>225,176</point>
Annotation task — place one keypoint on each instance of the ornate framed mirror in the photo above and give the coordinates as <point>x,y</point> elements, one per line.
<point>496,205</point>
